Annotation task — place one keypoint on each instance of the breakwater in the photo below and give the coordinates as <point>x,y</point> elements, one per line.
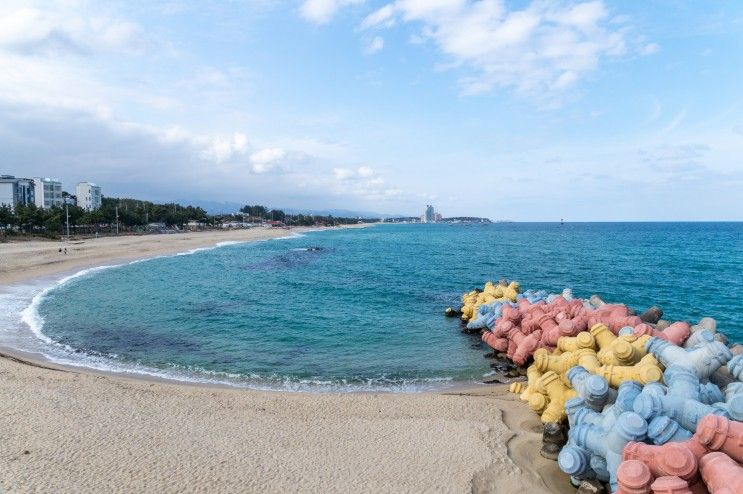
<point>630,402</point>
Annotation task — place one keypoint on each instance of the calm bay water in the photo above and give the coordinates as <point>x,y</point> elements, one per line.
<point>365,311</point>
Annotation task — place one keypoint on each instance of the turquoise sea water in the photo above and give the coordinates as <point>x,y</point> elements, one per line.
<point>365,311</point>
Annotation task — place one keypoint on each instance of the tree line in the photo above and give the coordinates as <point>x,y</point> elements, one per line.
<point>261,213</point>
<point>133,215</point>
<point>126,214</point>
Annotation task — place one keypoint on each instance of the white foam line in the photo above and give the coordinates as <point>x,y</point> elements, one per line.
<point>290,236</point>
<point>231,242</point>
<point>30,315</point>
<point>273,383</point>
<point>33,319</point>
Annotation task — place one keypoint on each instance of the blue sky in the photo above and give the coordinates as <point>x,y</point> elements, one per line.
<point>520,110</point>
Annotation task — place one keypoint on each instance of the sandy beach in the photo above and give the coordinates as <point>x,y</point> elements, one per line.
<point>25,260</point>
<point>69,430</point>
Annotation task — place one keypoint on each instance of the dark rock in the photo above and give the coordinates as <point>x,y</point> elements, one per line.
<point>554,437</point>
<point>652,315</point>
<point>555,433</point>
<point>451,312</point>
<point>662,324</point>
<point>550,451</point>
<point>490,355</point>
<point>500,366</point>
<point>722,377</point>
<point>500,378</point>
<point>591,487</point>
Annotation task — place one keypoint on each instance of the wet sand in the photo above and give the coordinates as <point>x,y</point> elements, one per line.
<point>70,430</point>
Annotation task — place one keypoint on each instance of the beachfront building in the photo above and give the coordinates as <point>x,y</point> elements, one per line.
<point>16,191</point>
<point>236,224</point>
<point>88,196</point>
<point>48,193</point>
<point>195,225</point>
<point>429,216</point>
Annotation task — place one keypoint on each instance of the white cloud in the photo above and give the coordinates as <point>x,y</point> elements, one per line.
<point>650,49</point>
<point>144,161</point>
<point>223,148</point>
<point>566,79</point>
<point>376,44</point>
<point>61,31</point>
<point>322,11</point>
<point>342,173</point>
<point>541,50</point>
<point>365,171</point>
<point>364,182</point>
<point>266,159</point>
<point>382,17</point>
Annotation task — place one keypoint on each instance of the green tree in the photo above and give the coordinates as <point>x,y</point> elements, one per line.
<point>53,222</point>
<point>7,218</point>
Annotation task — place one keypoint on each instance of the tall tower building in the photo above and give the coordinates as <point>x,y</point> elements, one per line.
<point>430,215</point>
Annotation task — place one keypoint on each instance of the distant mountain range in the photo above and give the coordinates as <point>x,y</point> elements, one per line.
<point>340,213</point>
<point>214,207</point>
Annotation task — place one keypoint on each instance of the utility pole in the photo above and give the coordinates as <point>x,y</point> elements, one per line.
<point>117,220</point>
<point>67,210</point>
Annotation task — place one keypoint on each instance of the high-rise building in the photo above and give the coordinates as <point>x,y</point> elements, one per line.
<point>16,191</point>
<point>88,196</point>
<point>430,215</point>
<point>48,192</point>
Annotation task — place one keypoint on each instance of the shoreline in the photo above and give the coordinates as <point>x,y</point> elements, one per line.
<point>77,429</point>
<point>43,259</point>
<point>56,273</point>
<point>51,274</point>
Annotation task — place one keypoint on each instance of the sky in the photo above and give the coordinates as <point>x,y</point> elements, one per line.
<point>523,110</point>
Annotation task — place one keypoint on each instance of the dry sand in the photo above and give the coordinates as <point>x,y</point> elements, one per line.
<point>68,430</point>
<point>24,260</point>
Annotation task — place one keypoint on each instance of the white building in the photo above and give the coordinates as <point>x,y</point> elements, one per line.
<point>48,193</point>
<point>16,191</point>
<point>88,196</point>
